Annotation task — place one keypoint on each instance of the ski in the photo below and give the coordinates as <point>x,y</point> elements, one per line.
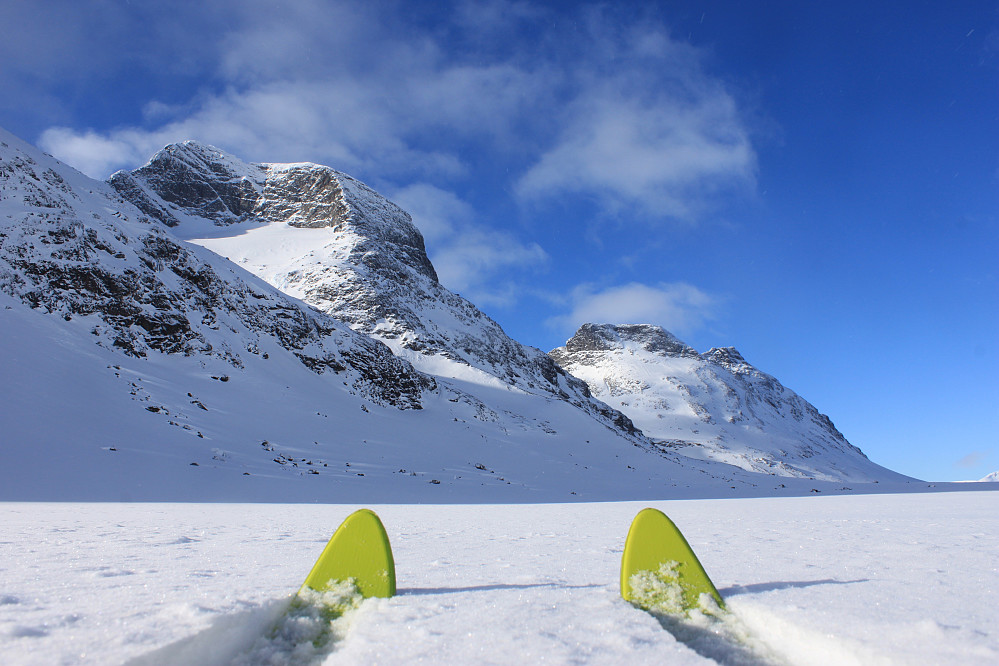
<point>358,551</point>
<point>659,570</point>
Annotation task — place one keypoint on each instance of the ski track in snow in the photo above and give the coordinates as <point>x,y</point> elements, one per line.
<point>881,579</point>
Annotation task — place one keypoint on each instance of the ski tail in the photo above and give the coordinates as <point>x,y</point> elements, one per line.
<point>358,551</point>
<point>659,568</point>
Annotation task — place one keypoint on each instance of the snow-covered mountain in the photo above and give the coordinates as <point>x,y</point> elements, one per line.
<point>712,406</point>
<point>137,365</point>
<point>991,478</point>
<point>322,236</point>
<point>72,248</point>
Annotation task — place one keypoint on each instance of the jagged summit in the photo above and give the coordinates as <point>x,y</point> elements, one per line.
<point>72,247</point>
<point>192,180</point>
<point>713,405</point>
<point>332,241</point>
<point>604,337</point>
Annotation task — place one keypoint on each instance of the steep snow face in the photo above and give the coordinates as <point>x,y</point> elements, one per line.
<point>72,247</point>
<point>330,240</point>
<point>712,406</point>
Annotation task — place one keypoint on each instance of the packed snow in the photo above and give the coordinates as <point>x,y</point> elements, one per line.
<point>881,579</point>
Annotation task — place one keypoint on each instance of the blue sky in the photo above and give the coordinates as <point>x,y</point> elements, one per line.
<point>816,184</point>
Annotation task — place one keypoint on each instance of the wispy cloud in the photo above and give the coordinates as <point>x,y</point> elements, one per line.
<point>643,129</point>
<point>678,307</point>
<point>973,459</point>
<point>614,109</point>
<point>94,154</point>
<point>483,264</point>
<point>603,108</point>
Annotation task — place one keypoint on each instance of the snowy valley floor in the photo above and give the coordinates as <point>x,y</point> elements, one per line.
<point>877,579</point>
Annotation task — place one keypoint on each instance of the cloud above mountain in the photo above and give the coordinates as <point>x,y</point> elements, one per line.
<point>677,307</point>
<point>606,100</point>
<point>545,106</point>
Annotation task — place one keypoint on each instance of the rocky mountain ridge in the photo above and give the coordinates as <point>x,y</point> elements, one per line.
<point>349,252</point>
<point>713,406</point>
<point>70,247</point>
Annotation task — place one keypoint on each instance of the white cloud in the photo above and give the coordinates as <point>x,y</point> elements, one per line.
<point>660,156</point>
<point>480,262</point>
<point>678,307</point>
<point>335,123</point>
<point>94,154</point>
<point>617,111</point>
<point>652,133</point>
<point>973,459</point>
<point>613,110</point>
<point>435,211</point>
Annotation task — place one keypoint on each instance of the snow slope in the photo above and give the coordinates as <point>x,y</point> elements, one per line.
<point>712,406</point>
<point>887,579</point>
<point>87,422</point>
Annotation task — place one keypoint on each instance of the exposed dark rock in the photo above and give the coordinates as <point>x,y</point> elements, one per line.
<point>374,271</point>
<point>93,255</point>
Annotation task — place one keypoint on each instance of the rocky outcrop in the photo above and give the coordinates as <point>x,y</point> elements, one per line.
<point>72,247</point>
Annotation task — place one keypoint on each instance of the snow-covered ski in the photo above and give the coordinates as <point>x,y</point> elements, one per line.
<point>358,551</point>
<point>659,567</point>
<point>661,575</point>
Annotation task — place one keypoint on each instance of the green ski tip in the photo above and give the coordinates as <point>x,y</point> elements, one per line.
<point>359,551</point>
<point>658,563</point>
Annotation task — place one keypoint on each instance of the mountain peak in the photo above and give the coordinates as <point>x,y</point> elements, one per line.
<point>714,405</point>
<point>351,253</point>
<point>728,357</point>
<point>190,181</point>
<point>606,337</point>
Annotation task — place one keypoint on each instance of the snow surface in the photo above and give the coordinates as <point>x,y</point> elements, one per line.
<point>882,579</point>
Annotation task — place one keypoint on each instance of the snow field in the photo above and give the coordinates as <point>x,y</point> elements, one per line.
<point>894,579</point>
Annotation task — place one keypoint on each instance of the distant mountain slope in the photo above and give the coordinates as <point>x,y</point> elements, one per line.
<point>320,235</point>
<point>139,366</point>
<point>712,406</point>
